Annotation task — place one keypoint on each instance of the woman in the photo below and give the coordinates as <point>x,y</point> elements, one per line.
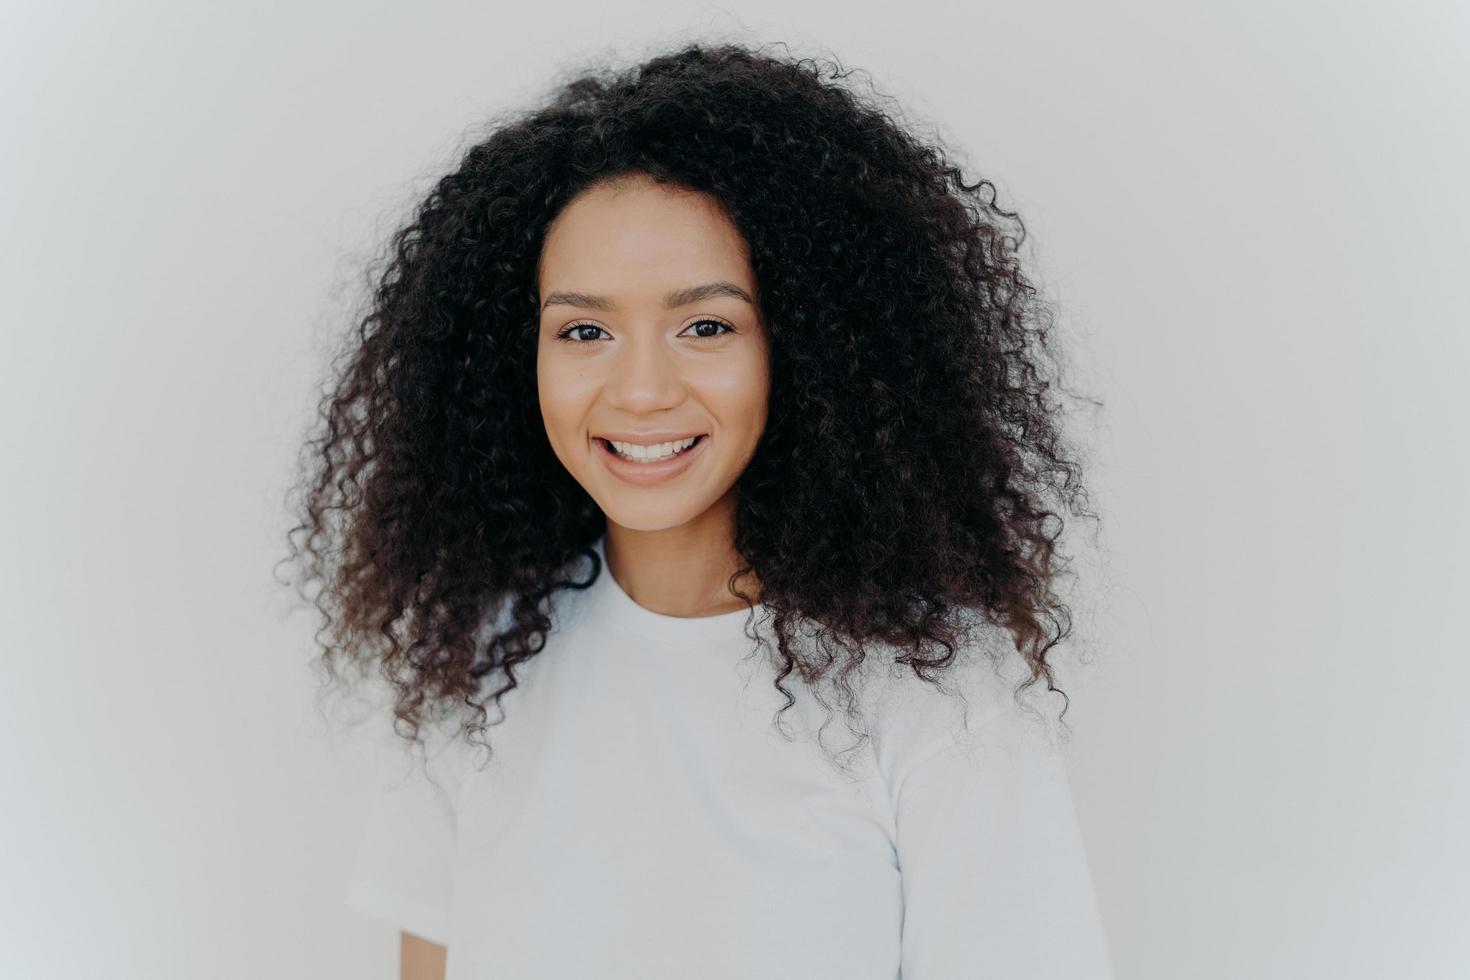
<point>704,375</point>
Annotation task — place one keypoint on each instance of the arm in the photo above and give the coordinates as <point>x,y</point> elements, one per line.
<point>419,959</point>
<point>994,874</point>
<point>403,871</point>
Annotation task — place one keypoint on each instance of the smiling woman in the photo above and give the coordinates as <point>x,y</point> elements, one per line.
<point>693,399</point>
<point>656,404</point>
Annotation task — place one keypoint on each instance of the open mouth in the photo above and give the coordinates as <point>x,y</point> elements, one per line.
<point>608,447</point>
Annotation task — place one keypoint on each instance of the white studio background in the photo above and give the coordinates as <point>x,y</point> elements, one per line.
<point>1252,217</point>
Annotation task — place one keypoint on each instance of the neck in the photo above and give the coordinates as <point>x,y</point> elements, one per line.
<point>680,571</point>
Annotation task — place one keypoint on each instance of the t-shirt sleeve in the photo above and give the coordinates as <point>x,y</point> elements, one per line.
<point>994,875</point>
<point>402,872</point>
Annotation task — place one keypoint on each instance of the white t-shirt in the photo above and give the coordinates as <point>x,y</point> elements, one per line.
<point>642,818</point>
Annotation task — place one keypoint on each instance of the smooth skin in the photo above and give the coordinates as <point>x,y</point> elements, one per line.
<point>614,356</point>
<point>419,959</point>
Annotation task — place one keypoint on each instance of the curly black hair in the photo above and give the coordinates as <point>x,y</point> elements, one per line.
<point>902,480</point>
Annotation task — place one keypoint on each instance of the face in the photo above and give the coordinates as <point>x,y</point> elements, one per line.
<point>650,334</point>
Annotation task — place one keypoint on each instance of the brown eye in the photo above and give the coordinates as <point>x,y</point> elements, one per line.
<point>567,331</point>
<point>564,334</point>
<point>717,323</point>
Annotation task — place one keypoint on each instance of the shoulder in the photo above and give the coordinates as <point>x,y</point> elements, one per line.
<point>564,606</point>
<point>977,700</point>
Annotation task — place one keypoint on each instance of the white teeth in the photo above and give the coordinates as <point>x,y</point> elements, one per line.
<point>651,454</point>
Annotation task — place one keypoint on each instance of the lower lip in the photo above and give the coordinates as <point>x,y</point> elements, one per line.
<point>645,474</point>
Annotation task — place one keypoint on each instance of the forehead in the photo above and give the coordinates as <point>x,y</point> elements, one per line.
<point>637,235</point>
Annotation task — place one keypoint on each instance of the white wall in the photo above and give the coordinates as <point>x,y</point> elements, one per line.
<point>1252,216</point>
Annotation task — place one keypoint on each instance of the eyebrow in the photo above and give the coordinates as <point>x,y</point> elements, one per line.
<point>672,300</point>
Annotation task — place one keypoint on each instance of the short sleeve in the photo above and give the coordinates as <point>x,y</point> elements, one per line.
<point>994,874</point>
<point>402,872</point>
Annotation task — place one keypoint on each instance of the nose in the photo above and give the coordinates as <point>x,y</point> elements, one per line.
<point>645,376</point>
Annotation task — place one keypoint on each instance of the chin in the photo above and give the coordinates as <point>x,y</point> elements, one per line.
<point>654,517</point>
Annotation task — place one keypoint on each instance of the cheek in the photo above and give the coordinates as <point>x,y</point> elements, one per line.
<point>558,411</point>
<point>739,400</point>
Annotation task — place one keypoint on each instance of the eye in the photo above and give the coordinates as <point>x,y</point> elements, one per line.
<point>710,336</point>
<point>563,335</point>
<point>566,332</point>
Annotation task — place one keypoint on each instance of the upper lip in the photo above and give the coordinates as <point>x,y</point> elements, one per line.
<point>648,438</point>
